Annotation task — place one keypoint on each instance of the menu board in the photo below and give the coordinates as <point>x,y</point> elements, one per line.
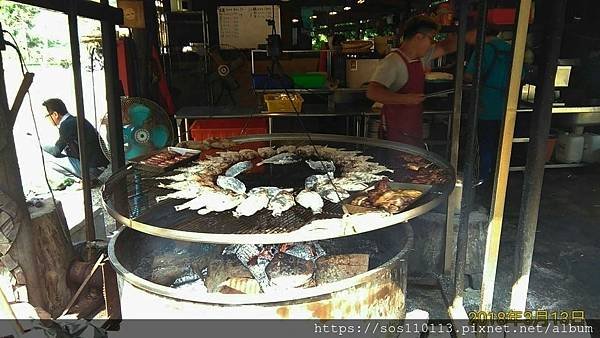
<point>245,27</point>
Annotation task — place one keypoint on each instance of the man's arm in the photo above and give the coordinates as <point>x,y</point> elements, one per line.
<point>65,132</point>
<point>56,149</point>
<point>444,47</point>
<point>380,93</point>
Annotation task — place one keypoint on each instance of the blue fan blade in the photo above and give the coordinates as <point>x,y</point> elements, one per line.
<point>138,114</point>
<point>134,150</point>
<point>128,131</point>
<point>159,136</point>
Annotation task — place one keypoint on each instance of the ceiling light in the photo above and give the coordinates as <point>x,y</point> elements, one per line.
<point>347,8</point>
<point>313,16</point>
<point>294,20</point>
<point>360,2</point>
<point>332,13</point>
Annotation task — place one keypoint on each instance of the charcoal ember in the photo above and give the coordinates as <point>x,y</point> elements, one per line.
<point>306,251</point>
<point>333,268</point>
<point>166,274</point>
<point>253,257</point>
<point>167,267</point>
<point>361,245</point>
<point>201,262</point>
<point>221,270</point>
<point>286,271</point>
<point>192,288</point>
<point>188,276</point>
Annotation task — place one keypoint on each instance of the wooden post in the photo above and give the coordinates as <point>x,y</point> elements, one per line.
<point>492,246</point>
<point>536,154</point>
<point>22,250</point>
<point>56,251</point>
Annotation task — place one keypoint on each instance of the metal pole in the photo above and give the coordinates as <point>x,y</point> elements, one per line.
<point>492,246</point>
<point>111,73</point>
<point>534,168</point>
<point>469,164</point>
<point>455,135</point>
<point>113,104</point>
<point>83,158</point>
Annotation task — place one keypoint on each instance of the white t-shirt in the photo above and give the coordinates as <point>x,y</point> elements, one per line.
<point>392,71</point>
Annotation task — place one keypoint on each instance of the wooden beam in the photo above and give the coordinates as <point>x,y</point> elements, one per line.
<point>23,89</point>
<point>494,231</point>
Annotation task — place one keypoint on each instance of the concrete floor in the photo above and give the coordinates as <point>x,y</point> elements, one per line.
<point>565,272</point>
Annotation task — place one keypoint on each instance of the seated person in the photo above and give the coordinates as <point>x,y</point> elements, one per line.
<point>65,160</point>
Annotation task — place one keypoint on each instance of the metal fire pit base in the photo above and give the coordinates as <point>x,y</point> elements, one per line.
<point>379,293</point>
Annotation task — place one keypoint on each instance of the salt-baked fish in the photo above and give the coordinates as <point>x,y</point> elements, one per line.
<point>220,201</point>
<point>332,193</point>
<point>349,184</point>
<point>184,185</point>
<point>321,165</point>
<point>283,158</point>
<point>175,178</point>
<point>252,204</point>
<point>281,202</point>
<point>196,203</point>
<point>232,184</point>
<point>310,200</point>
<point>311,182</point>
<point>181,194</point>
<point>270,191</point>
<point>238,168</point>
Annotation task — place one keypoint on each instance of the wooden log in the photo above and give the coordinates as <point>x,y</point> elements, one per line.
<point>337,267</point>
<point>56,253</point>
<point>22,249</point>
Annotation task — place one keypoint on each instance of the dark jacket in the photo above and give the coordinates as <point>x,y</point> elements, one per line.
<point>68,141</point>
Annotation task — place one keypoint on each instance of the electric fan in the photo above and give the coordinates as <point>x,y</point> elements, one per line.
<point>146,127</point>
<point>225,63</point>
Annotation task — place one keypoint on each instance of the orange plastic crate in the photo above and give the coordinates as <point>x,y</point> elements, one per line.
<point>222,128</point>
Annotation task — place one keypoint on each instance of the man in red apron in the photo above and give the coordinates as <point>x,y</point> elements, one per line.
<point>399,80</point>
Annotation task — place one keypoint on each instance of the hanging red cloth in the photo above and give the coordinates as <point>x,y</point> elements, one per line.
<point>164,94</point>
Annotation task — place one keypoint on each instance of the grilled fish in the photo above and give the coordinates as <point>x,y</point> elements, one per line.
<point>286,149</point>
<point>248,154</point>
<point>238,168</point>
<point>283,158</point>
<point>232,184</point>
<point>321,165</point>
<point>266,152</point>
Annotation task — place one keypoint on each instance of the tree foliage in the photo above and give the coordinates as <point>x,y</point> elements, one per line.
<point>19,20</point>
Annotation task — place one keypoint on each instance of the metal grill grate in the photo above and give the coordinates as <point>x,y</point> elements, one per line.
<point>143,207</point>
